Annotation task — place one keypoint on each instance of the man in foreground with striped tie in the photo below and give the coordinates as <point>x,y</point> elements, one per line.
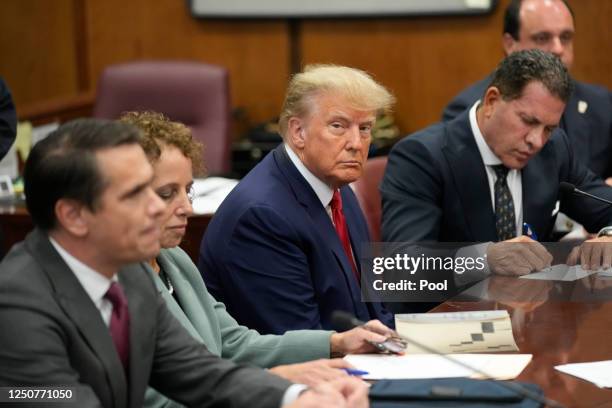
<point>77,312</point>
<point>492,174</point>
<point>282,251</point>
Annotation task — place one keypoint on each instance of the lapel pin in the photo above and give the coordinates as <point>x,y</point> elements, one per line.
<point>582,106</point>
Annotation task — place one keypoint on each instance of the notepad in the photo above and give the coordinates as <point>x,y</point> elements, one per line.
<point>497,366</point>
<point>210,193</point>
<point>485,331</point>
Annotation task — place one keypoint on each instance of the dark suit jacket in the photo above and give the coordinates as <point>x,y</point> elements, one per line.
<point>8,119</point>
<point>272,255</point>
<point>435,188</point>
<point>590,131</point>
<point>51,333</point>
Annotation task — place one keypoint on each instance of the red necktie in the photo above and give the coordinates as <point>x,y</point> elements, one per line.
<point>120,323</point>
<point>342,230</point>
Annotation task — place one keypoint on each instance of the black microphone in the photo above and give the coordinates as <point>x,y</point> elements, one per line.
<point>569,188</point>
<point>343,321</point>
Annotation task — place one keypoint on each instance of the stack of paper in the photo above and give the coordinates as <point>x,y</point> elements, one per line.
<point>451,335</point>
<point>457,332</point>
<point>210,193</point>
<point>496,366</point>
<point>599,372</point>
<point>606,273</point>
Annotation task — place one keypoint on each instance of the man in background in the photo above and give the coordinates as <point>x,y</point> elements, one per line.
<point>496,168</point>
<point>548,25</point>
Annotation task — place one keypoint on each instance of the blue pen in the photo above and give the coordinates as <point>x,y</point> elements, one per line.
<point>352,371</point>
<point>529,231</point>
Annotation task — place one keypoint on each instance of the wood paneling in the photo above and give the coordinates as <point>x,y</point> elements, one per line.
<point>256,52</point>
<point>58,48</point>
<point>424,61</point>
<point>37,48</point>
<point>593,43</point>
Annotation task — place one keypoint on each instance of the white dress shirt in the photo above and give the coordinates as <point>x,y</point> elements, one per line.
<point>514,179</point>
<point>515,184</point>
<point>322,190</point>
<point>95,284</point>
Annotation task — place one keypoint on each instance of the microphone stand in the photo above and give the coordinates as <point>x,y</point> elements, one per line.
<point>570,188</point>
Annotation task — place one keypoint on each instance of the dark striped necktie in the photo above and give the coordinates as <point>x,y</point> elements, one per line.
<point>505,219</point>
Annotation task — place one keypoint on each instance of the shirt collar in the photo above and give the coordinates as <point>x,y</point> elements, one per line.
<point>95,284</point>
<point>322,190</point>
<point>488,157</point>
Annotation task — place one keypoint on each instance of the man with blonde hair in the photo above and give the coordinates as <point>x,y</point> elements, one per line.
<point>282,251</point>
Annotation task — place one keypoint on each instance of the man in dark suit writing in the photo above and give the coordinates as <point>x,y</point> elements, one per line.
<point>548,25</point>
<point>498,165</point>
<point>75,311</point>
<point>282,252</point>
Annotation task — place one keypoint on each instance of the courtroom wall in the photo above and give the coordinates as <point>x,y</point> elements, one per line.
<point>58,48</point>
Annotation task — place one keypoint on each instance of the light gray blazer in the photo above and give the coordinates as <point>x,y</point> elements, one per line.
<point>208,321</point>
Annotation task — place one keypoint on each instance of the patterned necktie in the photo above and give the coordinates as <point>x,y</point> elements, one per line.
<point>120,323</point>
<point>505,222</point>
<point>342,230</point>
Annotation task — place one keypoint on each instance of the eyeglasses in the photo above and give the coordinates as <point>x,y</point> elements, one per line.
<point>171,193</point>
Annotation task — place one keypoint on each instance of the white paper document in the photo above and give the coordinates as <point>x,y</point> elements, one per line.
<point>607,273</point>
<point>497,366</point>
<point>483,331</point>
<point>598,372</point>
<point>448,317</point>
<point>561,272</point>
<point>210,193</point>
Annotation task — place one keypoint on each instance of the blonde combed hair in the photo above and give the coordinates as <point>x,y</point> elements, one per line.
<point>357,87</point>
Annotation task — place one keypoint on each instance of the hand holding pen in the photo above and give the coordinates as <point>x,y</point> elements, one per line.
<point>518,256</point>
<point>529,231</point>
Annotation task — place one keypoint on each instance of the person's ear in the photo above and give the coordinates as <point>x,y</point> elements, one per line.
<point>71,216</point>
<point>296,132</point>
<point>509,44</point>
<point>491,97</point>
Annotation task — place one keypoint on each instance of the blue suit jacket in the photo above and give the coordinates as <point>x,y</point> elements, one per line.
<point>8,119</point>
<point>272,255</point>
<point>589,131</point>
<point>435,188</point>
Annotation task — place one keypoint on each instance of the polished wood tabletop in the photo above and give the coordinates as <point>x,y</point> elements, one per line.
<point>15,223</point>
<point>557,322</point>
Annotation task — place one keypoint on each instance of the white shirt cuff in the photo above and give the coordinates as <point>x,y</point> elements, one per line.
<point>292,393</point>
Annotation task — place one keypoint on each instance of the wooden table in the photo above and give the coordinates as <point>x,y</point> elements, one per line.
<point>15,223</point>
<point>559,323</point>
